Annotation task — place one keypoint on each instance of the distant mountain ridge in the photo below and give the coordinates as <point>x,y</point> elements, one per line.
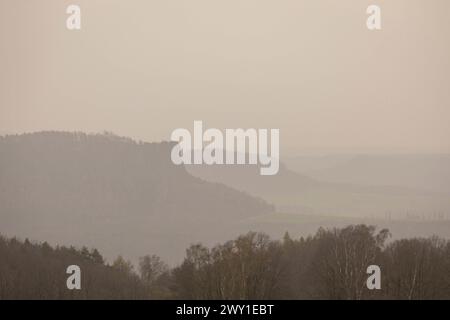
<point>299,192</point>
<point>421,171</point>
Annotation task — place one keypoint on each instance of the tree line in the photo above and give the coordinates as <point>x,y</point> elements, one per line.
<point>332,264</point>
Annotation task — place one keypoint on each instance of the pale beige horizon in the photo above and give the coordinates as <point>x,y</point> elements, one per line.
<point>310,68</point>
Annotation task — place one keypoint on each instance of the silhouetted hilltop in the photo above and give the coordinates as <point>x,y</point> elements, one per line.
<point>103,188</point>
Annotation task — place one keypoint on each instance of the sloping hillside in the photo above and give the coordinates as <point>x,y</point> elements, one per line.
<point>422,171</point>
<point>121,196</point>
<point>293,192</point>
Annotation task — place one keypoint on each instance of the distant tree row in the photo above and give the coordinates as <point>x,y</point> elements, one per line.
<point>332,264</point>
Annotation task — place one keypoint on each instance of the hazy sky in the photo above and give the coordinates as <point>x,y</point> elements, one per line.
<point>311,68</point>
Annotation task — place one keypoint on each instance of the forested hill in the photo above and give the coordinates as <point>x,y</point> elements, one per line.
<point>110,192</point>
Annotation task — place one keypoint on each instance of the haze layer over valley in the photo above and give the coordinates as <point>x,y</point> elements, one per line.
<point>126,197</point>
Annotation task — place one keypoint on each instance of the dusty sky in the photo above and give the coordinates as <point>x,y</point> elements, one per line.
<point>310,68</point>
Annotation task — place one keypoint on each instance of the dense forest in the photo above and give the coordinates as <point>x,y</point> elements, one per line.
<point>328,265</point>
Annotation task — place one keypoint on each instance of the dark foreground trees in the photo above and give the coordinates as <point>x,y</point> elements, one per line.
<point>249,267</point>
<point>417,269</point>
<point>38,271</point>
<point>332,264</point>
